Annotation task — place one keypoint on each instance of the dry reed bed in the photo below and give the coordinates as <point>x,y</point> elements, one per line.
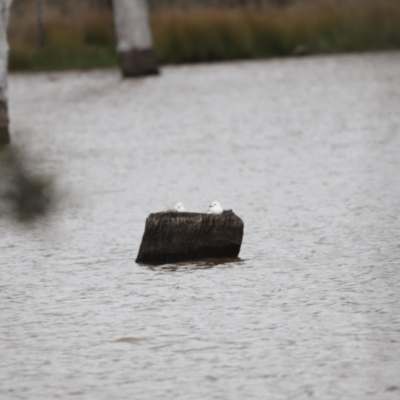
<point>86,39</point>
<point>221,35</point>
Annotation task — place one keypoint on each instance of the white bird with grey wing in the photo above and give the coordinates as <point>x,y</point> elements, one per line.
<point>214,208</point>
<point>179,207</point>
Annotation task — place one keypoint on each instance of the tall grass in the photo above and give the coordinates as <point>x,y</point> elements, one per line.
<point>86,39</point>
<point>81,40</point>
<point>212,35</point>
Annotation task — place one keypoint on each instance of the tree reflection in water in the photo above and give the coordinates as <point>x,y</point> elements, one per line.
<point>24,194</point>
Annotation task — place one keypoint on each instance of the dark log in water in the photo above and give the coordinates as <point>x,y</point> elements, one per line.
<point>171,237</point>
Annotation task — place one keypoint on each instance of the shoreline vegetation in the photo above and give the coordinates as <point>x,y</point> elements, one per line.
<point>85,38</point>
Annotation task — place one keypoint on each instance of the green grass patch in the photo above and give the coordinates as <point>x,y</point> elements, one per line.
<point>52,57</point>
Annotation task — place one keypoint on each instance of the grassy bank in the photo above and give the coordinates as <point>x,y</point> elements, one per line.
<point>222,35</point>
<point>86,39</point>
<point>72,41</point>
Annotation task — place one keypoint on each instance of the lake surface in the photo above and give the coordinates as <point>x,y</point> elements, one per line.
<point>305,151</point>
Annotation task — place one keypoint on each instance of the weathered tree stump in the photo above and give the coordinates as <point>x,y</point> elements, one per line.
<point>171,237</point>
<point>136,63</point>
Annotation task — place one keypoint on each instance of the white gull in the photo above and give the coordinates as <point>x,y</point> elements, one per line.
<point>179,207</point>
<point>215,208</point>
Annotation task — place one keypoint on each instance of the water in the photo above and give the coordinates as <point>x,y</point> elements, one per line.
<point>305,151</point>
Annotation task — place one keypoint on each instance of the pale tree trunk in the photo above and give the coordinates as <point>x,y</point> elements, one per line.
<point>4,8</point>
<point>134,41</point>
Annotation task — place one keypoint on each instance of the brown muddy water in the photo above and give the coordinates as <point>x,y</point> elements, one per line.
<point>305,151</point>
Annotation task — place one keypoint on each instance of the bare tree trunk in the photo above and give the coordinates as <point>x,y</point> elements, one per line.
<point>134,41</point>
<point>40,22</point>
<point>4,9</point>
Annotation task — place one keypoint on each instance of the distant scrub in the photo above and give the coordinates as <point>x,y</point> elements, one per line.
<point>211,35</point>
<point>86,39</point>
